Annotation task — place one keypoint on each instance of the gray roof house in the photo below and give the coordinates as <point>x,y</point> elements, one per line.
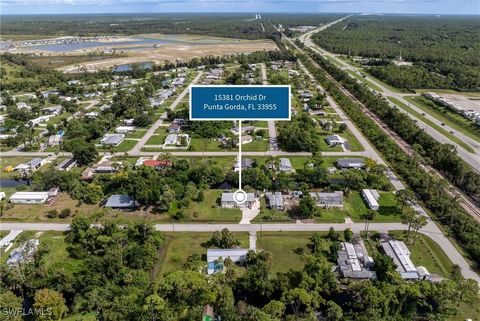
<point>120,201</point>
<point>112,139</point>
<point>275,201</point>
<point>350,162</point>
<point>285,165</point>
<point>328,199</point>
<point>227,201</point>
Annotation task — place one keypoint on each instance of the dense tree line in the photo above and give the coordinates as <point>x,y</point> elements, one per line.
<point>240,25</point>
<point>444,46</point>
<point>110,270</point>
<point>299,135</point>
<point>429,189</point>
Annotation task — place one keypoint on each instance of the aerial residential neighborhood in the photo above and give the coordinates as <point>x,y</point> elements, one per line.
<point>118,203</point>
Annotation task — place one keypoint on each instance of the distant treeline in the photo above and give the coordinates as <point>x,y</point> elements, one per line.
<point>444,50</point>
<point>222,25</point>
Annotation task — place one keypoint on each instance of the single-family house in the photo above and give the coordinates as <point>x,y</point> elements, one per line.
<point>285,165</point>
<point>246,139</point>
<point>112,139</point>
<point>328,199</point>
<point>55,110</point>
<point>350,163</point>
<point>67,164</point>
<point>125,129</point>
<point>177,141</point>
<point>121,202</point>
<point>246,164</point>
<point>275,201</point>
<point>174,128</point>
<point>371,197</point>
<point>228,201</point>
<point>334,140</point>
<point>215,255</point>
<point>158,164</point>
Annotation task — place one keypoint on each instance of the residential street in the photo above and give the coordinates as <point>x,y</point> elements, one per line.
<point>430,230</point>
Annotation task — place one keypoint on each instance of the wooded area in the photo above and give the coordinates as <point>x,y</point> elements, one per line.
<point>444,50</point>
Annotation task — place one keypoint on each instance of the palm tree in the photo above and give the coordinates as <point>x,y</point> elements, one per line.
<point>368,216</point>
<point>405,197</point>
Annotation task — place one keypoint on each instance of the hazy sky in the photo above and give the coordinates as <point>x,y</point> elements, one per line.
<point>311,6</point>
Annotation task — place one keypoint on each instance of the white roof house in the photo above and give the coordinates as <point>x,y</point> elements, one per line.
<point>334,140</point>
<point>125,129</point>
<point>371,197</point>
<point>112,139</point>
<point>175,141</point>
<point>400,254</point>
<point>213,255</point>
<point>350,163</point>
<point>29,197</point>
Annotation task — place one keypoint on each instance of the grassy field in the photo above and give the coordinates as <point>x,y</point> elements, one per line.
<point>456,121</point>
<point>178,246</point>
<point>256,146</point>
<point>156,140</point>
<point>431,124</point>
<point>286,248</point>
<point>205,144</point>
<point>37,213</point>
<point>209,209</point>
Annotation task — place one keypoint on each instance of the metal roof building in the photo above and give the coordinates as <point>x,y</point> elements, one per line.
<point>29,197</point>
<point>350,162</point>
<point>275,200</point>
<point>354,262</point>
<point>112,139</point>
<point>285,165</point>
<point>371,197</point>
<point>120,201</point>
<point>400,254</point>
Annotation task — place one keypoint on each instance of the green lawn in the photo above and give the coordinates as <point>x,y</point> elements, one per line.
<point>178,246</point>
<point>155,140</point>
<point>81,317</point>
<point>443,114</point>
<point>125,146</point>
<point>431,124</point>
<point>256,145</point>
<point>136,134</point>
<point>209,209</point>
<point>205,144</point>
<point>285,247</point>
<point>261,124</point>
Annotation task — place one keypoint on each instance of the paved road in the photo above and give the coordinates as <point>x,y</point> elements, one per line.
<point>431,230</point>
<point>473,159</point>
<point>272,131</point>
<point>137,149</point>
